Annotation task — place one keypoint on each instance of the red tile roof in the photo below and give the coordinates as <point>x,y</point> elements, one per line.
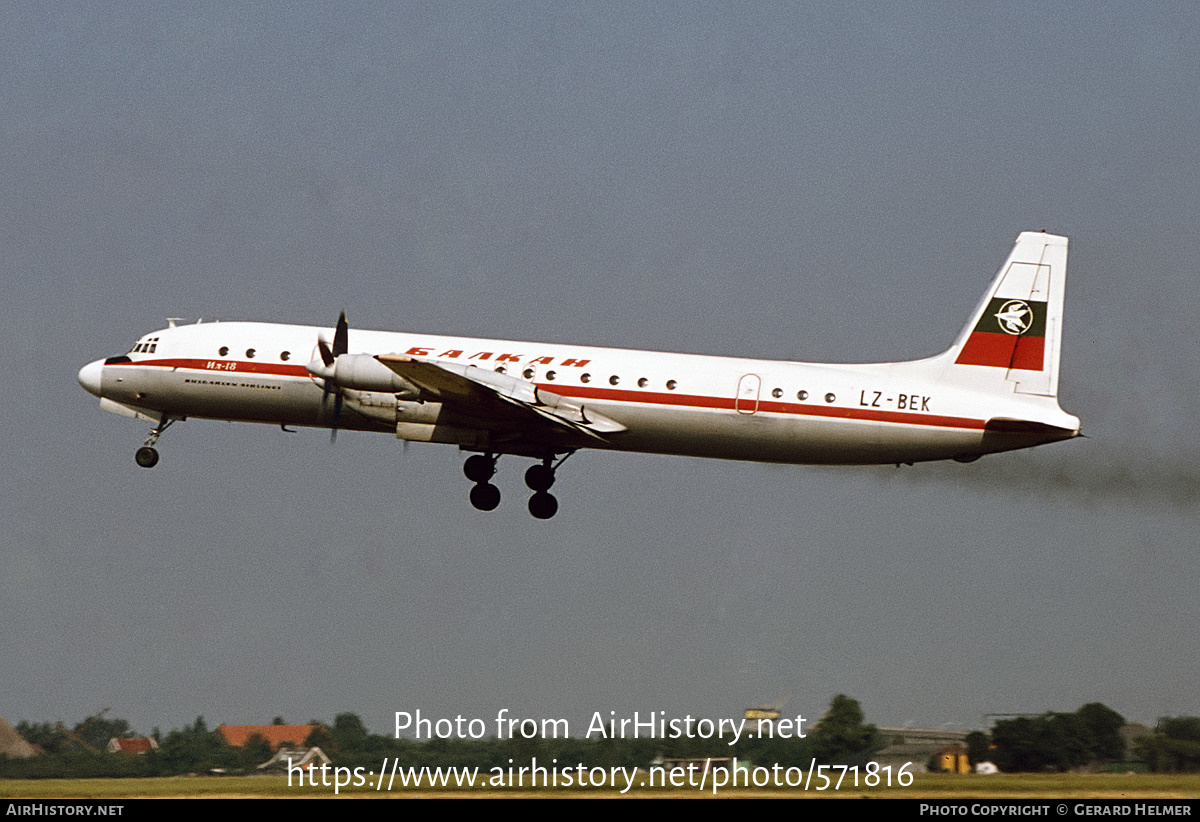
<point>276,735</point>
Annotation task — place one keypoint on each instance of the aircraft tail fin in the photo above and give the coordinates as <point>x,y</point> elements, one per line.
<point>1016,331</point>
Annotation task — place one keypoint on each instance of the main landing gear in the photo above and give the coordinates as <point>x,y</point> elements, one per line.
<point>539,478</point>
<point>147,455</point>
<point>480,468</point>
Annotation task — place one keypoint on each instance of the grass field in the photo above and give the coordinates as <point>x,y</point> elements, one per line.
<point>925,786</point>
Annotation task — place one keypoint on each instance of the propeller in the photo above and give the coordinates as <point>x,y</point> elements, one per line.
<point>341,336</point>
<point>341,339</point>
<point>343,375</point>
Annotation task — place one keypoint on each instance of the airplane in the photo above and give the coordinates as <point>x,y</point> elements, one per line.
<point>994,390</point>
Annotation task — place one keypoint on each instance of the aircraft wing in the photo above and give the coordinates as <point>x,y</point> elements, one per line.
<point>470,389</point>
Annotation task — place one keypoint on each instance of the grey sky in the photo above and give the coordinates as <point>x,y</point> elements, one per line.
<point>803,181</point>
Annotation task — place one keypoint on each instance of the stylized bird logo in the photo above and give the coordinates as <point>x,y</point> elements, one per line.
<point>1015,317</point>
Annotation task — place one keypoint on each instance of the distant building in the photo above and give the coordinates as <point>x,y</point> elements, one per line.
<point>13,744</point>
<point>915,746</point>
<point>755,717</point>
<point>132,744</point>
<point>277,736</point>
<point>953,759</point>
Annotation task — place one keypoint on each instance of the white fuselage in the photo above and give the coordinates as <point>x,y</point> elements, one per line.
<point>705,406</point>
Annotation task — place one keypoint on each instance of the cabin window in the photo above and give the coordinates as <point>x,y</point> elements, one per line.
<point>614,379</point>
<point>223,351</point>
<point>249,353</point>
<point>802,395</point>
<point>285,355</point>
<point>671,385</point>
<point>550,375</point>
<point>643,382</point>
<point>500,369</point>
<point>830,397</point>
<point>527,373</point>
<point>585,377</point>
<point>777,393</point>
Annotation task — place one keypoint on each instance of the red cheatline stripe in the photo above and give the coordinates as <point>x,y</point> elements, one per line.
<point>771,406</point>
<point>238,366</point>
<point>1003,351</point>
<point>621,395</point>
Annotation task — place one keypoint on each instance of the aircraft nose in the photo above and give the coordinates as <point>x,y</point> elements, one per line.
<point>89,376</point>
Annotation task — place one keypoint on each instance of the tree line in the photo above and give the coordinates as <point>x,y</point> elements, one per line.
<point>1088,737</point>
<point>841,737</point>
<point>1091,737</point>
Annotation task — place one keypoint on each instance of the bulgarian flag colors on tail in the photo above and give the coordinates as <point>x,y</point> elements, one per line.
<point>1011,333</point>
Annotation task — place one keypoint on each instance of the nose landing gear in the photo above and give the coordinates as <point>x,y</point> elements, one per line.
<point>147,455</point>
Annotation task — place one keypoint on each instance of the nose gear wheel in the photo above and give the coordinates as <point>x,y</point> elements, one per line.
<point>147,455</point>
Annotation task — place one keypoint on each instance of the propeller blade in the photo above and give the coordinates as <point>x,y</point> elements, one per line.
<point>326,354</point>
<point>329,355</point>
<point>341,336</point>
<point>337,417</point>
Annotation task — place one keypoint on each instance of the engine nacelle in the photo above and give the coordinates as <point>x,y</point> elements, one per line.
<point>455,435</point>
<point>362,372</point>
<point>384,407</point>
